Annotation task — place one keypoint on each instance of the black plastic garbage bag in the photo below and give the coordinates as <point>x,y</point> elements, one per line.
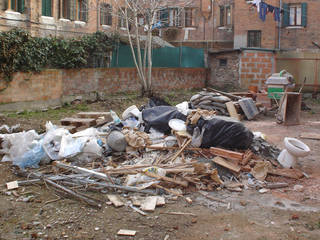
<point>159,117</point>
<point>223,132</point>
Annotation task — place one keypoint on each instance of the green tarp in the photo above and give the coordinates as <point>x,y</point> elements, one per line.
<point>184,57</point>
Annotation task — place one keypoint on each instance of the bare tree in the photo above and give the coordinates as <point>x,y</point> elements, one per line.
<point>141,18</point>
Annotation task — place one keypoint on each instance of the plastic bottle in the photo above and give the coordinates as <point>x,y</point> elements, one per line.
<point>115,117</point>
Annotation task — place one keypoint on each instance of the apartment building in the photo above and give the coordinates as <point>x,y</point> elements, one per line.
<point>297,28</point>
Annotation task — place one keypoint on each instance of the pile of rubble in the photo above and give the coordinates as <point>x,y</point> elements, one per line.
<point>156,151</point>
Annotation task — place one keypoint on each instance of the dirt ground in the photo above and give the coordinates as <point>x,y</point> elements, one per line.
<point>279,214</point>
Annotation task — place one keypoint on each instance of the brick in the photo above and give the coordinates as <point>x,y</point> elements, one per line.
<point>255,70</point>
<point>261,54</point>
<point>244,59</point>
<point>251,65</point>
<point>250,54</point>
<point>266,71</point>
<point>268,60</point>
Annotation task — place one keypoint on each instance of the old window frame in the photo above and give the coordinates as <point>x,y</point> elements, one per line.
<point>254,39</point>
<point>294,10</point>
<point>175,17</point>
<point>106,14</point>
<point>225,15</point>
<point>74,10</point>
<point>190,17</point>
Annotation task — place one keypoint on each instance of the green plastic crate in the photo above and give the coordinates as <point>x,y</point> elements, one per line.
<point>275,92</point>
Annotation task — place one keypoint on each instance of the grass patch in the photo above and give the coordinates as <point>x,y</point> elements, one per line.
<point>51,114</point>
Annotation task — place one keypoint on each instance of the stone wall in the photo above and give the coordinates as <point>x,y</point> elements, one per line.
<point>256,67</point>
<point>51,86</point>
<point>224,76</point>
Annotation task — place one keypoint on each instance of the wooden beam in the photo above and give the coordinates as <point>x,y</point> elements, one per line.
<point>226,153</point>
<point>222,162</point>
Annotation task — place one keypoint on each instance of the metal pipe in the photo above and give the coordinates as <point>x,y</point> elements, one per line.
<point>279,28</point>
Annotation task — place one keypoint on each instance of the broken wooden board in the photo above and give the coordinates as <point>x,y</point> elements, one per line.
<point>137,201</point>
<point>226,153</point>
<point>232,111</point>
<point>287,172</point>
<point>78,122</point>
<point>149,203</point>
<point>125,232</point>
<point>314,136</point>
<point>115,200</point>
<point>95,115</point>
<point>222,162</point>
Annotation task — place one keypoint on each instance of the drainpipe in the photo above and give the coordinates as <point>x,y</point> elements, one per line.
<point>280,24</point>
<point>98,19</point>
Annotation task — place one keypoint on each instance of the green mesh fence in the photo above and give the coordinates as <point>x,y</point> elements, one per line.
<point>184,57</point>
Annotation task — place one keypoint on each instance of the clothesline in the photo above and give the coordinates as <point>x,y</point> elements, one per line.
<point>264,8</point>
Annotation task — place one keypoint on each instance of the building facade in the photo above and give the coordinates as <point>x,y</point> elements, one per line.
<point>297,29</point>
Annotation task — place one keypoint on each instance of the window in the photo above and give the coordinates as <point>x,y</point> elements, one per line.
<point>294,15</point>
<point>121,19</point>
<point>222,17</point>
<point>106,14</point>
<point>174,17</point>
<point>190,17</point>
<point>74,10</point>
<point>47,8</point>
<point>223,62</point>
<point>225,16</point>
<point>14,5</point>
<point>254,38</point>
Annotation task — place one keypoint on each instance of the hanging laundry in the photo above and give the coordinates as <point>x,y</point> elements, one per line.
<point>276,14</point>
<point>263,11</point>
<point>256,3</point>
<point>270,8</point>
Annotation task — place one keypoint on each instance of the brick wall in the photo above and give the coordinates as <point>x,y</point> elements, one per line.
<point>255,67</point>
<point>55,84</point>
<point>44,86</point>
<point>300,37</point>
<point>247,18</point>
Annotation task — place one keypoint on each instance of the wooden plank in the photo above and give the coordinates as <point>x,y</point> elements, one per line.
<point>314,136</point>
<point>125,232</point>
<point>246,157</point>
<point>285,172</point>
<point>149,203</point>
<point>115,200</point>
<point>232,111</point>
<point>167,179</point>
<point>95,115</point>
<point>78,122</point>
<point>222,162</point>
<point>227,153</point>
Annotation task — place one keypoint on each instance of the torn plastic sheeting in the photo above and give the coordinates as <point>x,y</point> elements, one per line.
<point>16,144</point>
<point>223,132</point>
<point>33,157</point>
<point>159,117</point>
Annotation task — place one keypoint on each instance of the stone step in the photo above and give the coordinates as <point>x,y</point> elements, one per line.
<point>78,122</point>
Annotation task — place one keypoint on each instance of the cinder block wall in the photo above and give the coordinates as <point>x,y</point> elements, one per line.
<point>54,84</point>
<point>256,67</point>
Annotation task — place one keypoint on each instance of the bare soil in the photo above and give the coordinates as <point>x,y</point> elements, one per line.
<point>278,214</point>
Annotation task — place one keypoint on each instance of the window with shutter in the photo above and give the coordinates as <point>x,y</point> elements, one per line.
<point>17,6</point>
<point>294,15</point>
<point>190,17</point>
<point>47,8</point>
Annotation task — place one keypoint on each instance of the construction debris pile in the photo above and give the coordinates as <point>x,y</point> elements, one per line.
<point>160,151</point>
